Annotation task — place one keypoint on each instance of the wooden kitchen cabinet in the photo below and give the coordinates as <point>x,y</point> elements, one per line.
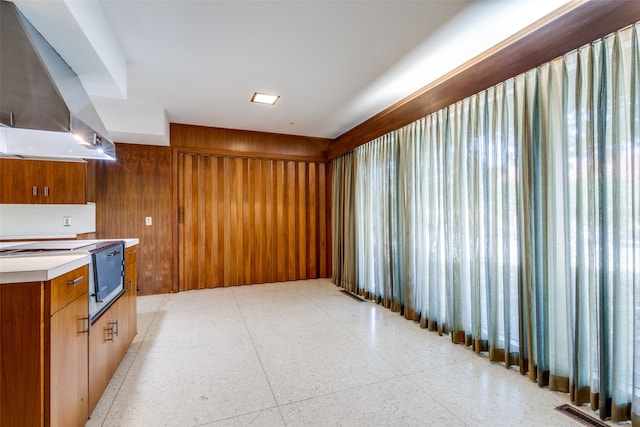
<point>44,357</point>
<point>131,277</point>
<point>106,349</point>
<point>112,333</point>
<point>30,181</point>
<point>69,365</point>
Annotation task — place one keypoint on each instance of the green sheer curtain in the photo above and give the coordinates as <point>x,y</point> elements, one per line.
<point>511,221</point>
<point>343,220</point>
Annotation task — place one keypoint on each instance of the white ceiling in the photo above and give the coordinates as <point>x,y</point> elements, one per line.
<point>334,63</point>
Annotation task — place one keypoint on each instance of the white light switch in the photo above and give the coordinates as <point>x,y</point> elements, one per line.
<point>66,221</point>
<point>147,220</point>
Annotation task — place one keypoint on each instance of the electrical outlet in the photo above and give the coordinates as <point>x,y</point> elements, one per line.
<point>66,221</point>
<point>148,221</point>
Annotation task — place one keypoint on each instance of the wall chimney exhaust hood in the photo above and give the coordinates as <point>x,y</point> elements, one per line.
<point>44,109</point>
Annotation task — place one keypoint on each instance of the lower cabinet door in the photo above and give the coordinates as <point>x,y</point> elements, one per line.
<point>68,394</point>
<point>105,349</point>
<point>131,313</point>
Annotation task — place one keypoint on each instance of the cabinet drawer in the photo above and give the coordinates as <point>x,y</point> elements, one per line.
<point>68,287</point>
<point>131,255</point>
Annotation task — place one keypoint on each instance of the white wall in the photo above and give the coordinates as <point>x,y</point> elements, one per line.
<point>46,221</point>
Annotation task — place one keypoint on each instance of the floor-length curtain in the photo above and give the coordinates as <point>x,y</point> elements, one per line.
<point>343,221</point>
<point>511,221</point>
<point>378,232</point>
<point>634,113</point>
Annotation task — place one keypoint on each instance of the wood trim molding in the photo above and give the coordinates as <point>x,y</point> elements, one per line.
<point>248,154</point>
<point>249,144</point>
<point>576,25</point>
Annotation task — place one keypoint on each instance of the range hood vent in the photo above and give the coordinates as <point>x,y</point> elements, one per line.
<point>44,109</point>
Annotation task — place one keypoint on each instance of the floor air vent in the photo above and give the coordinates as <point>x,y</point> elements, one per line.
<point>580,416</point>
<point>354,296</point>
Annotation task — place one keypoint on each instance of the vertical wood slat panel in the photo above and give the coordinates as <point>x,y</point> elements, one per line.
<point>227,212</point>
<point>254,178</point>
<point>249,221</point>
<point>323,245</point>
<point>312,262</point>
<point>208,243</point>
<point>247,225</point>
<point>219,196</point>
<point>237,230</point>
<point>190,219</point>
<point>303,225</point>
<point>269,210</point>
<point>281,223</point>
<point>199,237</point>
<point>291,221</point>
<point>182,241</point>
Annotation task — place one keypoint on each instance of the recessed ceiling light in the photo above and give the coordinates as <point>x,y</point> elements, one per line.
<point>263,98</point>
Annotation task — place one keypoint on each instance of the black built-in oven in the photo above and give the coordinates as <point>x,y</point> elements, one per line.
<point>106,272</point>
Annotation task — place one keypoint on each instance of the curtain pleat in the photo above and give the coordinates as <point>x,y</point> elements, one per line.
<point>343,220</point>
<point>511,221</point>
<point>634,122</point>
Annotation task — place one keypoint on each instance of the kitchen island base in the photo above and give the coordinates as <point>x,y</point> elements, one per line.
<point>51,373</point>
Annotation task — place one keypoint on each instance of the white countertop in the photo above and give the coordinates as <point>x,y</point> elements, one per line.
<point>39,268</point>
<point>36,268</point>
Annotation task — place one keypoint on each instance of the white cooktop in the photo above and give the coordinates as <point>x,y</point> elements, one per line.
<point>53,245</point>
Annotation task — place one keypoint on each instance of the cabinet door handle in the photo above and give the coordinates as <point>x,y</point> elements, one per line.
<point>46,191</point>
<point>109,332</point>
<point>133,251</point>
<point>85,330</point>
<point>114,328</point>
<point>112,331</point>
<point>130,285</point>
<point>76,281</point>
<point>34,190</point>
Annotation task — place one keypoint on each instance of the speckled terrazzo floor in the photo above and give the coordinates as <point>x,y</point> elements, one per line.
<point>304,354</point>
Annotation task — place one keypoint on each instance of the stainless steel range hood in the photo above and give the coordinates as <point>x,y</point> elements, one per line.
<point>44,109</point>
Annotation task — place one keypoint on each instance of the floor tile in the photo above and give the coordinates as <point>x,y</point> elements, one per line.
<point>316,362</point>
<point>212,299</point>
<point>482,393</point>
<point>305,354</point>
<point>181,329</point>
<point>263,320</point>
<point>150,303</point>
<point>267,418</point>
<point>192,386</point>
<point>396,402</point>
<point>268,293</point>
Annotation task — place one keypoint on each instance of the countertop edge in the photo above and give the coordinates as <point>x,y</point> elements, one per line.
<point>43,275</point>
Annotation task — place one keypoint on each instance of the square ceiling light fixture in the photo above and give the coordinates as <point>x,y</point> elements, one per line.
<point>263,98</point>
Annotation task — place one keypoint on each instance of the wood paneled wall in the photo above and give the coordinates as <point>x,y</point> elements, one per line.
<point>247,220</point>
<point>583,23</point>
<point>144,181</point>
<point>138,185</point>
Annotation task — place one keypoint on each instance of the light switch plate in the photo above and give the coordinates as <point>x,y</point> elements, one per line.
<point>66,221</point>
<point>148,221</point>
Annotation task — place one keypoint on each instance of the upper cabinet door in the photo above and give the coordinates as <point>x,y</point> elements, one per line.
<point>26,181</point>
